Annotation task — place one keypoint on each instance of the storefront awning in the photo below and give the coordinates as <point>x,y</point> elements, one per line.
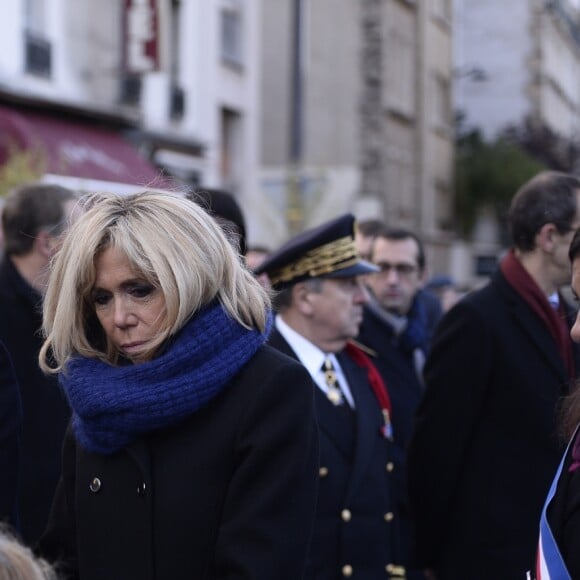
<point>76,148</point>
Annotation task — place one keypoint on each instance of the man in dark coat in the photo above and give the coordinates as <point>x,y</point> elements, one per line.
<point>319,304</point>
<point>397,326</point>
<point>34,217</point>
<point>10,425</point>
<point>486,446</point>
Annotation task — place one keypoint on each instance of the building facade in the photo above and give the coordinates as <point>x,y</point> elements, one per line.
<point>517,66</point>
<point>357,114</point>
<point>176,80</point>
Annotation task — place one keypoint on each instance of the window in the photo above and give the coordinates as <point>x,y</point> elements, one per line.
<point>231,33</point>
<point>37,48</point>
<point>441,102</point>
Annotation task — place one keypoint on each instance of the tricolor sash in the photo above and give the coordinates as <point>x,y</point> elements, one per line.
<point>549,563</point>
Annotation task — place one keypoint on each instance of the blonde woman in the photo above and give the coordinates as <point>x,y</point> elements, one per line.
<point>193,448</point>
<point>17,562</point>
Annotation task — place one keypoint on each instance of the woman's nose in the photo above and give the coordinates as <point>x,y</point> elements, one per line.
<point>122,314</point>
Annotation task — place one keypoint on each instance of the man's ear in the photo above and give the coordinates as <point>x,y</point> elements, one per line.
<point>44,244</point>
<point>546,237</point>
<point>302,298</point>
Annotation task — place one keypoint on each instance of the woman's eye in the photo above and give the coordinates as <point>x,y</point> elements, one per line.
<point>141,291</point>
<point>100,298</point>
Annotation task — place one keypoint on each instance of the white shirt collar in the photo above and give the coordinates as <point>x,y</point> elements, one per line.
<point>308,354</point>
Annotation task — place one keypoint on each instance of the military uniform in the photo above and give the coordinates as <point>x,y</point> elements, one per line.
<point>356,532</point>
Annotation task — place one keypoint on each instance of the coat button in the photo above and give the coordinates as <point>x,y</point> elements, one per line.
<point>345,515</point>
<point>389,516</point>
<point>323,471</point>
<point>390,466</point>
<point>95,485</point>
<point>395,571</point>
<point>347,570</point>
<point>141,489</point>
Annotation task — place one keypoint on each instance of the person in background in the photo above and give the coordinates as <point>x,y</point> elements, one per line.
<point>559,545</point>
<point>256,255</point>
<point>193,450</point>
<point>319,302</point>
<point>223,206</point>
<point>34,220</point>
<point>445,289</point>
<point>396,326</point>
<point>254,258</point>
<point>10,430</point>
<point>17,562</point>
<point>485,444</point>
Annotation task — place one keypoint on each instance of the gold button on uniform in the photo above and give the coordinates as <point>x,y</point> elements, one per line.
<point>396,571</point>
<point>95,485</point>
<point>345,515</point>
<point>390,466</point>
<point>389,516</point>
<point>323,471</point>
<point>347,570</point>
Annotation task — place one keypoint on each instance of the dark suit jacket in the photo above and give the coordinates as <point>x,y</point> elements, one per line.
<point>397,368</point>
<point>45,409</point>
<point>485,446</point>
<point>364,536</point>
<point>229,493</point>
<point>10,425</point>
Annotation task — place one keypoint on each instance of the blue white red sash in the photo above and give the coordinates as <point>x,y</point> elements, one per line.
<point>550,564</point>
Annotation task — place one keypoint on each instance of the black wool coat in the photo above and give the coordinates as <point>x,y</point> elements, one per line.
<point>397,369</point>
<point>356,528</point>
<point>10,426</point>
<point>45,408</point>
<point>230,493</point>
<point>485,446</point>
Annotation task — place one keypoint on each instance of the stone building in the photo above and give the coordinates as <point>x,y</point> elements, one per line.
<point>357,115</point>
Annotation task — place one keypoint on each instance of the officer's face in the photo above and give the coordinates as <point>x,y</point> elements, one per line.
<point>400,278</point>
<point>336,311</point>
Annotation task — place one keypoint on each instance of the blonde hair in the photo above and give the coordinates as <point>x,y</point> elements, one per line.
<point>17,562</point>
<point>173,243</point>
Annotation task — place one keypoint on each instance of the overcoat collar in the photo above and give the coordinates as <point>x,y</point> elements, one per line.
<point>536,330</point>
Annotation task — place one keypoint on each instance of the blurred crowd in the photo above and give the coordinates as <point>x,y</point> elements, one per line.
<point>176,403</point>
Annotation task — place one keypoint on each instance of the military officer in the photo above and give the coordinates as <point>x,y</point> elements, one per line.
<point>319,300</point>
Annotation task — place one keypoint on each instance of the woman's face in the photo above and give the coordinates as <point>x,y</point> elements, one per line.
<point>130,310</point>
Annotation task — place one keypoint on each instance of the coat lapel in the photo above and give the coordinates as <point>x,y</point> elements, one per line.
<point>537,332</point>
<point>329,421</point>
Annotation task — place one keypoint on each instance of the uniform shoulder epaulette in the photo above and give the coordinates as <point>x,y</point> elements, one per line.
<point>364,348</point>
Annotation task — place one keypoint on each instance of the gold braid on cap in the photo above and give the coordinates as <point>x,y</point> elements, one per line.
<point>335,255</point>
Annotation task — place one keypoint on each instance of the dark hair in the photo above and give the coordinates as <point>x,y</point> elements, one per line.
<point>549,197</point>
<point>223,206</point>
<point>398,234</point>
<point>30,209</point>
<point>370,227</point>
<point>282,298</point>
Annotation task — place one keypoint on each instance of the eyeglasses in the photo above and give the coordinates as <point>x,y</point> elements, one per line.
<point>401,268</point>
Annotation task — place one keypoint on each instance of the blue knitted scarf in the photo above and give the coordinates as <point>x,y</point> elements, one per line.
<point>113,405</point>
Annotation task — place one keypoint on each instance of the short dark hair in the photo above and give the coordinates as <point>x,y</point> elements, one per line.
<point>370,227</point>
<point>548,198</point>
<point>30,209</point>
<point>399,234</point>
<point>282,299</point>
<point>222,205</point>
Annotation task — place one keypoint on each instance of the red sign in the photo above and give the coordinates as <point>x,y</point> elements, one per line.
<point>141,31</point>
